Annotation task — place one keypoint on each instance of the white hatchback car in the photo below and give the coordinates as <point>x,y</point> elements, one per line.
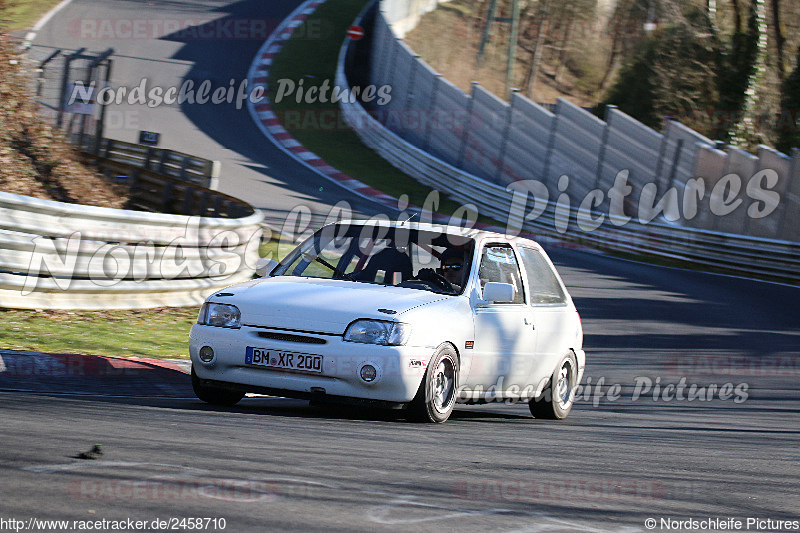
<point>399,315</point>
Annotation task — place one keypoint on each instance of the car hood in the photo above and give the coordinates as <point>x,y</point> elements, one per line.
<point>319,305</point>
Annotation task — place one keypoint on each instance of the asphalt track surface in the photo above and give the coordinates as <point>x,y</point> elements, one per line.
<point>273,464</point>
<point>252,168</point>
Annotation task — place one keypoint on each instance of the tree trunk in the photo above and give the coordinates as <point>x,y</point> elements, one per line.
<point>737,16</point>
<point>780,39</point>
<point>565,45</point>
<point>536,55</point>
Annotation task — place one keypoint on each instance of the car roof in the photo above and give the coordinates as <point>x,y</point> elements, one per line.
<point>475,233</point>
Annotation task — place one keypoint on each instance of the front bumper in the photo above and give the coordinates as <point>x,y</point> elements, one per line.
<point>400,368</point>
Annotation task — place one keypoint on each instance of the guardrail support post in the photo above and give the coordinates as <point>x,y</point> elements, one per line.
<point>184,164</point>
<point>132,183</point>
<point>410,89</point>
<point>431,111</point>
<point>463,149</point>
<point>188,196</point>
<point>551,142</point>
<point>203,207</point>
<point>213,178</point>
<point>506,129</point>
<point>217,205</point>
<point>148,158</point>
<point>603,142</point>
<point>163,161</point>
<point>169,194</point>
<point>99,131</point>
<point>676,157</point>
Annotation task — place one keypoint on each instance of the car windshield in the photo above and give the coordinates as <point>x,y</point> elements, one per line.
<point>403,257</point>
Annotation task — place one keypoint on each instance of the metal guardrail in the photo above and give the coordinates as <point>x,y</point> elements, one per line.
<point>55,255</point>
<point>505,142</point>
<point>738,254</point>
<point>182,243</point>
<point>155,192</point>
<point>184,167</point>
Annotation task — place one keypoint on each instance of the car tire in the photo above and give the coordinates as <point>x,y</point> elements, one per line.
<point>438,391</point>
<point>214,395</point>
<point>556,401</point>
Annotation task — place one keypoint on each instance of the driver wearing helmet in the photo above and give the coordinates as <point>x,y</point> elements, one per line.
<point>452,267</point>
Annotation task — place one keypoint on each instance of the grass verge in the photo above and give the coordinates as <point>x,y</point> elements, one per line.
<point>158,333</point>
<point>23,14</point>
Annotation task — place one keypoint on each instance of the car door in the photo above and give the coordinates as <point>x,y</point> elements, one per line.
<point>505,337</point>
<point>551,313</point>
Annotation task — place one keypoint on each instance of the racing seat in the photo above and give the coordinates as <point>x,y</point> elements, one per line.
<point>395,265</point>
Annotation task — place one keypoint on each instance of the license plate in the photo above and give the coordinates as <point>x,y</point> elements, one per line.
<point>284,360</point>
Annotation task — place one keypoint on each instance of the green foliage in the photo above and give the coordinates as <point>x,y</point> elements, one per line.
<point>736,65</point>
<point>634,91</point>
<point>790,112</point>
<point>671,74</point>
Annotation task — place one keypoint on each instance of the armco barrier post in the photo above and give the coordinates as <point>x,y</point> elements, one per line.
<point>551,141</point>
<point>506,128</point>
<point>603,142</point>
<point>431,111</point>
<point>410,91</point>
<point>467,125</point>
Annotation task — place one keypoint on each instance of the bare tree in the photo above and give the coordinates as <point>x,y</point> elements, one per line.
<point>744,132</point>
<point>780,39</point>
<point>737,16</point>
<point>535,27</point>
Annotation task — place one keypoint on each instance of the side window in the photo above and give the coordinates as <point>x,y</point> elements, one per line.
<point>499,264</point>
<point>545,288</point>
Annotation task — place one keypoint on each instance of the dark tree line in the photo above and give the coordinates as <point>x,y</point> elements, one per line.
<point>718,66</point>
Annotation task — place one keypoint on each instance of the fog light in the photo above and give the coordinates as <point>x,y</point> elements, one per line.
<point>368,373</point>
<point>206,354</point>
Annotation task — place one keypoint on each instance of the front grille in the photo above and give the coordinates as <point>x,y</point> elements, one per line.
<point>287,337</point>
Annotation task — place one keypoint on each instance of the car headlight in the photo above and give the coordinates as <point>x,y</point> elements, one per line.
<point>220,315</point>
<point>378,332</point>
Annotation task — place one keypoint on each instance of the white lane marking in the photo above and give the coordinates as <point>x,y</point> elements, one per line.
<point>185,471</point>
<point>557,524</point>
<point>302,481</point>
<point>31,35</point>
<point>380,513</point>
<point>66,467</point>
